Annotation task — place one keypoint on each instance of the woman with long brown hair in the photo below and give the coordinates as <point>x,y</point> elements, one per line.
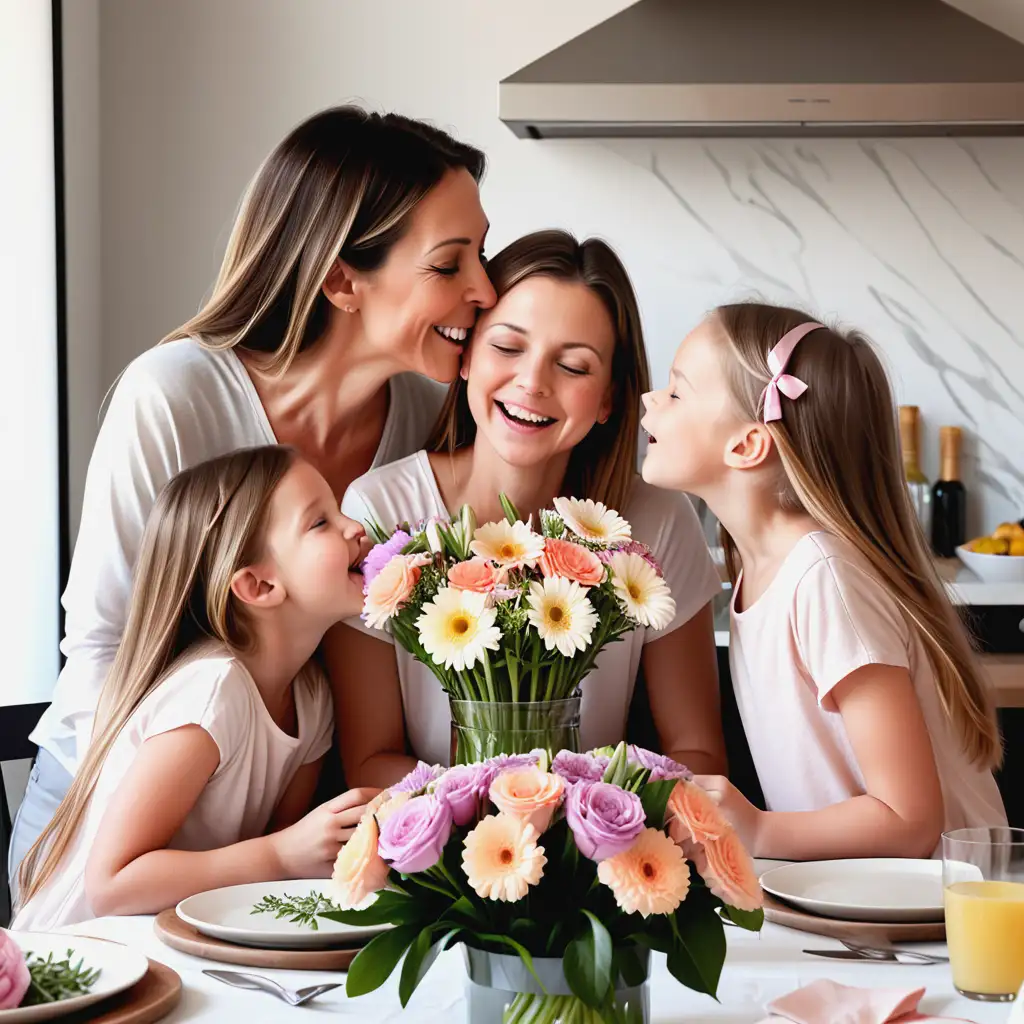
<point>547,404</point>
<point>213,721</point>
<point>868,719</point>
<point>353,273</point>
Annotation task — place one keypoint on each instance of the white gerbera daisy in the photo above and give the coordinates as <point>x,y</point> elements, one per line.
<point>641,591</point>
<point>593,521</point>
<point>511,545</point>
<point>561,612</point>
<point>456,627</point>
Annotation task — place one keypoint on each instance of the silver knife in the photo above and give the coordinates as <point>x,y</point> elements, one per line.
<point>848,954</point>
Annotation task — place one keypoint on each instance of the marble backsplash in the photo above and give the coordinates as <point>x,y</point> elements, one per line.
<point>920,243</point>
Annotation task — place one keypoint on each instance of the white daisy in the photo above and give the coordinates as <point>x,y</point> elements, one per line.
<point>642,592</point>
<point>511,545</point>
<point>593,521</point>
<point>456,627</point>
<point>561,612</point>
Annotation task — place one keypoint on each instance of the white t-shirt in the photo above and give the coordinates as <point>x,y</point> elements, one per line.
<point>258,760</point>
<point>176,405</point>
<point>824,616</point>
<point>663,520</point>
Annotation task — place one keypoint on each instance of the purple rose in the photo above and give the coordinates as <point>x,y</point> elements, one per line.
<point>579,767</point>
<point>661,767</point>
<point>462,788</point>
<point>413,837</point>
<point>419,778</point>
<point>604,818</point>
<point>380,554</point>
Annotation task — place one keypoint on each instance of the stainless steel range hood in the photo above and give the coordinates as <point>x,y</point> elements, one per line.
<point>774,67</point>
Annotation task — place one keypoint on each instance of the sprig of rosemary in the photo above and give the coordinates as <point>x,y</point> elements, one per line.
<point>53,980</point>
<point>302,910</point>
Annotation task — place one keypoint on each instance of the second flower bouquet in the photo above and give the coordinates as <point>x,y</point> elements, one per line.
<point>510,620</point>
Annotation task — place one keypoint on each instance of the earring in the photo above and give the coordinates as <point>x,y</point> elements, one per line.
<point>464,373</point>
<point>350,309</point>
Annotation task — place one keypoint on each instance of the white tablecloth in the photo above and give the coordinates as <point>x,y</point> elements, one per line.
<point>758,968</point>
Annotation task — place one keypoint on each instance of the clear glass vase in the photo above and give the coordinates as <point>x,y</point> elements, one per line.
<point>482,729</point>
<point>501,990</point>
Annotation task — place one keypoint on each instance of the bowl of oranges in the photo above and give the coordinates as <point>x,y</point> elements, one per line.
<point>998,558</point>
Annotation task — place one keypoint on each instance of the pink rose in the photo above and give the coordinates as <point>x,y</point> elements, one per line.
<point>729,872</point>
<point>14,976</point>
<point>359,870</point>
<point>528,794</point>
<point>477,575</point>
<point>563,558</point>
<point>692,815</point>
<point>391,588</point>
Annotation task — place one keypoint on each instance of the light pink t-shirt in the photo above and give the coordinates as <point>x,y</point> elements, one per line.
<point>824,616</point>
<point>210,688</point>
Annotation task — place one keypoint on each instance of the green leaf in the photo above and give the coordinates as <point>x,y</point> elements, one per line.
<point>511,512</point>
<point>655,800</point>
<point>420,958</point>
<point>378,958</point>
<point>659,943</point>
<point>630,966</point>
<point>698,949</point>
<point>388,908</point>
<point>588,963</point>
<point>524,953</point>
<point>752,920</point>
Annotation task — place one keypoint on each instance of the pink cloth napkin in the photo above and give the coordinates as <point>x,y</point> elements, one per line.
<point>828,1002</point>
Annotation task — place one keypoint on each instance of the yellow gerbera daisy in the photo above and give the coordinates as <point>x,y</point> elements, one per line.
<point>560,611</point>
<point>501,858</point>
<point>511,545</point>
<point>642,592</point>
<point>593,521</point>
<point>456,627</point>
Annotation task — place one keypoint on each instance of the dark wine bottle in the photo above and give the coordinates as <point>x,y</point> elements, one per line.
<point>949,497</point>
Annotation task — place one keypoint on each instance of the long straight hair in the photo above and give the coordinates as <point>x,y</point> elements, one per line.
<point>603,465</point>
<point>207,523</point>
<point>342,184</point>
<point>841,464</point>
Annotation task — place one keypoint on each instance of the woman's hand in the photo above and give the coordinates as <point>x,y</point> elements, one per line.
<point>744,817</point>
<point>309,848</point>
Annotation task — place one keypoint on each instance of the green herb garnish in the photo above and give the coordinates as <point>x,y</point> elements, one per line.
<point>301,910</point>
<point>53,980</point>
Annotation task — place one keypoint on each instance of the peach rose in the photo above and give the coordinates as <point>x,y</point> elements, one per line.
<point>693,815</point>
<point>528,794</point>
<point>477,575</point>
<point>359,870</point>
<point>391,588</point>
<point>729,873</point>
<point>563,558</point>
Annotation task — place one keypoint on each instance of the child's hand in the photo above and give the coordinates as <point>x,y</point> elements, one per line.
<point>735,808</point>
<point>309,848</point>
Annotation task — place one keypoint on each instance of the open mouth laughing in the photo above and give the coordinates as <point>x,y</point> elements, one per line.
<point>522,418</point>
<point>457,336</point>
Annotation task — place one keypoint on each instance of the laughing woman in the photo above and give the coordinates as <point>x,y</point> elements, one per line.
<point>353,268</point>
<point>547,404</point>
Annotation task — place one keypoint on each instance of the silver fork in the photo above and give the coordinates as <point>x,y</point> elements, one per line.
<point>876,953</point>
<point>240,979</point>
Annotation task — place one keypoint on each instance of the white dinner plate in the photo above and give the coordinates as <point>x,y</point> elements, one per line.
<point>881,890</point>
<point>119,967</point>
<point>227,914</point>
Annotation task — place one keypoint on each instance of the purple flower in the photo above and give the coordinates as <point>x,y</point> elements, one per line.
<point>380,554</point>
<point>413,837</point>
<point>494,766</point>
<point>579,767</point>
<point>604,818</point>
<point>631,547</point>
<point>419,778</point>
<point>661,767</point>
<point>502,593</point>
<point>462,788</point>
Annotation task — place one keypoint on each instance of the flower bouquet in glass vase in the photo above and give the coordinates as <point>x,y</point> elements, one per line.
<point>558,880</point>
<point>509,620</point>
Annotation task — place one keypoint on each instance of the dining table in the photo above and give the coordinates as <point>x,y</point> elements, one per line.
<point>758,969</point>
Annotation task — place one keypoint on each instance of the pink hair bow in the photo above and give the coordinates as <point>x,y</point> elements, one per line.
<point>790,386</point>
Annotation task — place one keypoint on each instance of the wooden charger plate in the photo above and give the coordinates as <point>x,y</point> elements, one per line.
<point>864,931</point>
<point>150,999</point>
<point>173,932</point>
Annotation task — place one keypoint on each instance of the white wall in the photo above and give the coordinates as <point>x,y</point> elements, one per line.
<point>921,243</point>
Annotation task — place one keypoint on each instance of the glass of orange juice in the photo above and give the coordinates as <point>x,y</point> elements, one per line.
<point>983,878</point>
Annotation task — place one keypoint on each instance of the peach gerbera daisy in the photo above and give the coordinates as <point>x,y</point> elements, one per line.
<point>501,858</point>
<point>651,877</point>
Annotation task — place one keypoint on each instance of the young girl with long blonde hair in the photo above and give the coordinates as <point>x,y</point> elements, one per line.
<point>868,720</point>
<point>213,721</point>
